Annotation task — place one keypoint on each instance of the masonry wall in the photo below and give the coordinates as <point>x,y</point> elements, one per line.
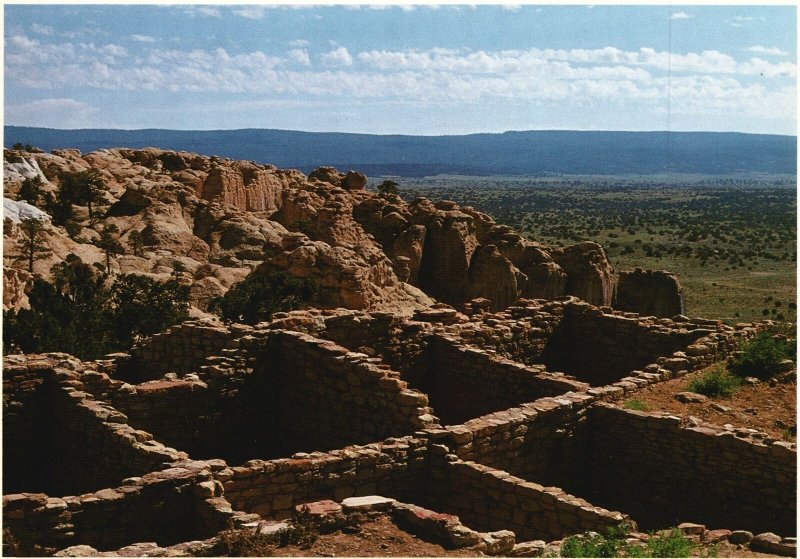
<point>488,499</point>
<point>181,349</point>
<point>282,392</point>
<point>395,468</point>
<point>170,506</point>
<point>664,472</point>
<point>465,382</point>
<point>330,397</point>
<point>73,443</point>
<point>601,348</point>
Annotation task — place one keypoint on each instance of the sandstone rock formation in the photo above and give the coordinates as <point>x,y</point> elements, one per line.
<point>218,220</point>
<point>649,292</point>
<point>16,284</point>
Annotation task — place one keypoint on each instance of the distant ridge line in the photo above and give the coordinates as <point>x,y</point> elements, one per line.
<point>505,153</point>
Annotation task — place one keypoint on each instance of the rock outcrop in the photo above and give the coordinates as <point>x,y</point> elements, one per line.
<point>16,284</point>
<point>649,292</point>
<point>589,274</point>
<point>216,221</point>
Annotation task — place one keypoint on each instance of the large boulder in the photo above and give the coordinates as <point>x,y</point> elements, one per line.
<point>443,272</point>
<point>589,274</point>
<point>649,292</point>
<point>16,284</point>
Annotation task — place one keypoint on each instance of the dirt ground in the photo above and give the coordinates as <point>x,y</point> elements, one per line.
<point>772,409</point>
<point>377,538</point>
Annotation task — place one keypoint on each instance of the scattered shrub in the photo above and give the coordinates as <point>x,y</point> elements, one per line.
<point>674,544</point>
<point>761,356</point>
<point>716,382</point>
<point>614,544</point>
<point>259,296</point>
<point>635,404</point>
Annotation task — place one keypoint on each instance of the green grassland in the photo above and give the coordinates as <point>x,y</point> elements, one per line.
<point>731,240</point>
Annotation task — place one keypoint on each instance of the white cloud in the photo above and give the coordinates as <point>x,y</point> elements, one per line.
<point>680,15</point>
<point>250,11</point>
<point>65,112</point>
<point>299,43</point>
<point>775,51</point>
<point>338,57</point>
<point>142,38</point>
<point>512,7</point>
<point>299,56</point>
<point>201,11</point>
<point>710,81</point>
<point>42,29</point>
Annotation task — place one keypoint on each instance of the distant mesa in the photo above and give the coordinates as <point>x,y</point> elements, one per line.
<point>509,153</point>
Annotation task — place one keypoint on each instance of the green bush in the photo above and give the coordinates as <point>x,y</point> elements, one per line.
<point>261,295</point>
<point>674,544</point>
<point>80,316</point>
<point>716,382</point>
<point>761,356</point>
<point>635,404</point>
<point>614,544</point>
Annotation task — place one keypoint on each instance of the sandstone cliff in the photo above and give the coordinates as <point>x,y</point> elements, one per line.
<point>216,221</point>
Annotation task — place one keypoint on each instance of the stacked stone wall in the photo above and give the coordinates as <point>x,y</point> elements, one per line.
<point>465,382</point>
<point>485,498</point>
<point>281,392</point>
<point>166,507</point>
<point>330,397</point>
<point>664,471</point>
<point>600,348</point>
<point>83,444</point>
<point>181,350</point>
<point>395,468</point>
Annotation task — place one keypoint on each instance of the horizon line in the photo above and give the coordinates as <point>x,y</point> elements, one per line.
<point>402,134</point>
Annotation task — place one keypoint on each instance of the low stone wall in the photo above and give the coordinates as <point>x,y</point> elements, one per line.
<point>273,488</point>
<point>181,349</point>
<point>246,405</point>
<point>600,348</point>
<point>663,470</point>
<point>465,382</point>
<point>488,499</point>
<point>76,443</point>
<point>166,507</point>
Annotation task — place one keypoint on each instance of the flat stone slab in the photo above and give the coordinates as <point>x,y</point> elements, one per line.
<point>370,502</point>
<point>319,508</point>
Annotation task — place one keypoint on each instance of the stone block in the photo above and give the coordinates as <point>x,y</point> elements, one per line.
<point>368,503</point>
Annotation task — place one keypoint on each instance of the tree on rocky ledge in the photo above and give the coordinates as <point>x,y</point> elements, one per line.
<point>84,188</point>
<point>109,243</point>
<point>260,295</point>
<point>32,245</point>
<point>387,187</point>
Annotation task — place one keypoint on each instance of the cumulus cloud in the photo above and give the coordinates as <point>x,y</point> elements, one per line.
<point>299,56</point>
<point>66,112</point>
<point>250,11</point>
<point>680,15</point>
<point>774,51</point>
<point>707,81</point>
<point>42,29</point>
<point>338,57</point>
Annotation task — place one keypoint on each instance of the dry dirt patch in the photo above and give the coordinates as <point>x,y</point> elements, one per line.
<point>772,409</point>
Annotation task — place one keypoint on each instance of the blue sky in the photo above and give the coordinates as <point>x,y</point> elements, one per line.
<point>402,69</point>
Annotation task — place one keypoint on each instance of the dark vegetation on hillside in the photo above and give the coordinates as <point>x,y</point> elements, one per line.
<point>509,153</point>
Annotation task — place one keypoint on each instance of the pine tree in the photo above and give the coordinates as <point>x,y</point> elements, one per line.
<point>136,241</point>
<point>32,245</point>
<point>109,243</point>
<point>31,190</point>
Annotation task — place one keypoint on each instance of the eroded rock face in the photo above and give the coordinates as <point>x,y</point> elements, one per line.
<point>649,292</point>
<point>494,277</point>
<point>219,220</point>
<point>589,274</point>
<point>16,284</point>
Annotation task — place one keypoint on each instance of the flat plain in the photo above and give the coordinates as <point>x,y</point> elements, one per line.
<point>731,240</point>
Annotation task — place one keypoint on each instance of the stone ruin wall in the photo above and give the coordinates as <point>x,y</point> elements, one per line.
<point>701,474</point>
<point>497,471</point>
<point>60,430</point>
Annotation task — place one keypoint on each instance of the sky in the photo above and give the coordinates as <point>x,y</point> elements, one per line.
<point>407,69</point>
